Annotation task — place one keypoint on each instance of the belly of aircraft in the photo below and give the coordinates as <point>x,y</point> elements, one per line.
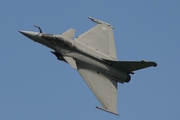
<point>100,66</point>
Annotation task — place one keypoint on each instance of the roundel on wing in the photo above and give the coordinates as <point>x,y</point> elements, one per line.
<point>104,28</point>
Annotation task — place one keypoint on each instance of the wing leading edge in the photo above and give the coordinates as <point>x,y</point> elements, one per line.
<point>104,89</point>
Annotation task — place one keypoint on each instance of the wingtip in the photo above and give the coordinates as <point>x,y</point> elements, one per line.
<point>106,110</point>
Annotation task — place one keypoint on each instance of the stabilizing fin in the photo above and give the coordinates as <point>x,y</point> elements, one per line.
<point>69,33</point>
<point>71,62</point>
<point>130,66</point>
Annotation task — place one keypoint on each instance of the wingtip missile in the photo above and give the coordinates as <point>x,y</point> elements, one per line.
<point>99,21</point>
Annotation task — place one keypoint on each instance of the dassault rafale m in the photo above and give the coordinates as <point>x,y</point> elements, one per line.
<point>93,55</point>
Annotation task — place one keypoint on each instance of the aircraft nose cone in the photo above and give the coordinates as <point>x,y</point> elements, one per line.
<point>29,34</point>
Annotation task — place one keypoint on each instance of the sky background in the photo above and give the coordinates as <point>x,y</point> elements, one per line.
<point>34,85</point>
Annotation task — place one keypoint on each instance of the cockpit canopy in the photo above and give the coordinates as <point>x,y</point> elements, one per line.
<point>48,36</point>
<point>57,40</point>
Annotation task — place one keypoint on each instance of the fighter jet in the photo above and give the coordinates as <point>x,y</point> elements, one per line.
<point>93,55</point>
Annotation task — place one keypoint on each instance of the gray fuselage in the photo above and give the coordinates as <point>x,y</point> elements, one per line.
<point>84,55</point>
